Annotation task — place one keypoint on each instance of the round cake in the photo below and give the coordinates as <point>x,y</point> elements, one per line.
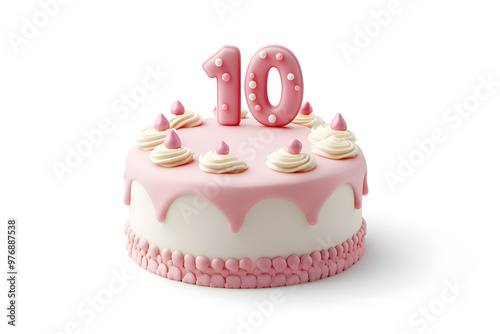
<point>245,206</point>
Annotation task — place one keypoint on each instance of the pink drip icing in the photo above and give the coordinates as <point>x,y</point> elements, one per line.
<point>239,192</point>
<point>161,123</point>
<point>177,108</point>
<point>338,123</point>
<point>365,184</point>
<point>172,140</point>
<point>306,109</point>
<point>222,148</point>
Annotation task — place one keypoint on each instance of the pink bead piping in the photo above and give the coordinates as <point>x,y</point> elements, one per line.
<point>234,273</point>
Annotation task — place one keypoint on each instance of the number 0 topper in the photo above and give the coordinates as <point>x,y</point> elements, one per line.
<point>292,86</point>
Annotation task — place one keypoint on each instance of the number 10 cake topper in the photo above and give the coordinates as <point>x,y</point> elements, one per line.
<point>225,65</point>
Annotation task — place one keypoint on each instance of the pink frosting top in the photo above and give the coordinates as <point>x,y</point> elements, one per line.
<point>239,192</point>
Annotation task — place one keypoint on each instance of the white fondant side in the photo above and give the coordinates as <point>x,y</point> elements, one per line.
<point>272,227</point>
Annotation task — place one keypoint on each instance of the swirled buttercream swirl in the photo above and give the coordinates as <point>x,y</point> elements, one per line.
<point>149,138</point>
<point>311,120</point>
<point>166,157</point>
<point>283,161</point>
<point>212,162</point>
<point>335,148</point>
<point>325,131</point>
<point>187,119</point>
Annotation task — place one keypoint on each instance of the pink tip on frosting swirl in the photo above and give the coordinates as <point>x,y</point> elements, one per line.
<point>338,123</point>
<point>282,160</point>
<point>177,108</point>
<point>161,123</point>
<point>171,154</point>
<point>305,117</point>
<point>306,109</point>
<point>172,140</point>
<point>335,148</point>
<point>222,148</point>
<point>294,146</point>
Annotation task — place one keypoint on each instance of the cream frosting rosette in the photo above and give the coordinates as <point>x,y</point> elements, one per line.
<point>154,135</point>
<point>290,160</point>
<point>305,117</point>
<point>324,131</point>
<point>170,153</point>
<point>221,161</point>
<point>181,118</point>
<point>311,121</point>
<point>335,148</point>
<point>337,128</point>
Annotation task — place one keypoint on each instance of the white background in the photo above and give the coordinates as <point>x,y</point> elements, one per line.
<point>439,225</point>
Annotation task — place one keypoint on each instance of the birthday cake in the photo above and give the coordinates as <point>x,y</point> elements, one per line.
<point>246,202</point>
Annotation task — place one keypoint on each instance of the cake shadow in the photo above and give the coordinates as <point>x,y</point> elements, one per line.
<point>395,257</point>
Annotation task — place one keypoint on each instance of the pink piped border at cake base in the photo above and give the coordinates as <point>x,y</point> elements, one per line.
<point>243,273</point>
